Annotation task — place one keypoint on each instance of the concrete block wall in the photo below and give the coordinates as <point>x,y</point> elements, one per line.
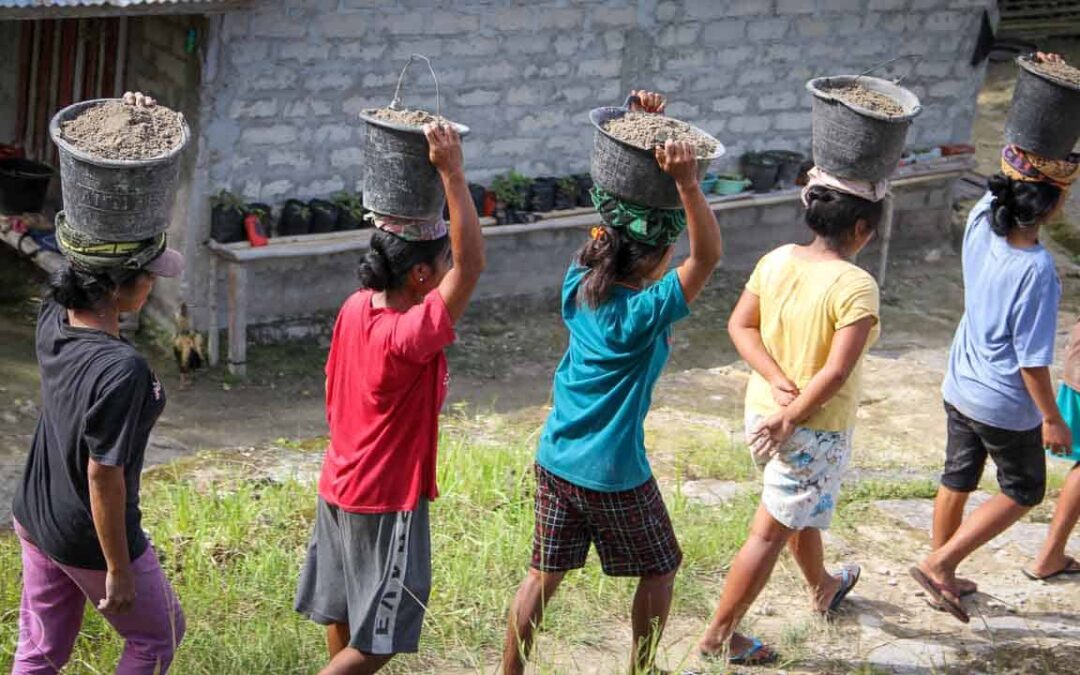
<point>293,74</point>
<point>285,80</point>
<point>161,63</point>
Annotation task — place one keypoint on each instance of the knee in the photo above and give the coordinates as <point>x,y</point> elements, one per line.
<point>665,580</point>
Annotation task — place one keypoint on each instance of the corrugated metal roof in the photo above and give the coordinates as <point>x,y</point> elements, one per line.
<point>30,4</point>
<point>49,9</point>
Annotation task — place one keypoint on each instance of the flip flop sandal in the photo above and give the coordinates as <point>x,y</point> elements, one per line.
<point>1071,567</point>
<point>751,656</point>
<point>849,576</point>
<point>937,592</point>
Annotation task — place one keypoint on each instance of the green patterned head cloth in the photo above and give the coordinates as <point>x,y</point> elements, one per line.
<point>656,227</point>
<point>92,255</point>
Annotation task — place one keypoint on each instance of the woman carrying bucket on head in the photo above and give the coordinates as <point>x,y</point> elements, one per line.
<point>594,483</point>
<point>76,508</point>
<point>999,400</point>
<point>803,324</point>
<point>368,570</point>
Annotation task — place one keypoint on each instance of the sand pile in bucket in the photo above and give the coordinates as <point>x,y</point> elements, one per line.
<point>114,130</point>
<point>648,130</point>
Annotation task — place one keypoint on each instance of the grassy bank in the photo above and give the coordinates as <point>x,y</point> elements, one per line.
<point>233,552</point>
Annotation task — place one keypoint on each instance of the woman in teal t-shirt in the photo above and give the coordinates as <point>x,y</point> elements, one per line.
<point>594,484</point>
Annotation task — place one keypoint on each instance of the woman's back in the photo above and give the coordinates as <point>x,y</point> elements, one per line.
<point>803,302</point>
<point>1010,319</point>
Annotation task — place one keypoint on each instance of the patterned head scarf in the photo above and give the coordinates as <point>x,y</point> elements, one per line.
<point>871,192</point>
<point>1027,167</point>
<point>656,227</point>
<point>409,229</point>
<point>93,256</point>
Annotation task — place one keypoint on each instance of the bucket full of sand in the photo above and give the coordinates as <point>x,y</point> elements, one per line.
<point>1044,116</point>
<point>119,167</point>
<point>399,179</point>
<point>860,124</point>
<point>624,160</point>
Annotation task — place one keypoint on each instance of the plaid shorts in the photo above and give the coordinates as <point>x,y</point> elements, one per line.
<point>631,529</point>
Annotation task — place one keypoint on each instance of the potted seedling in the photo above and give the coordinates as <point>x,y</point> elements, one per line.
<point>350,207</point>
<point>585,183</point>
<point>566,193</point>
<point>512,192</point>
<point>227,217</point>
<point>542,195</point>
<point>324,215</point>
<point>295,218</point>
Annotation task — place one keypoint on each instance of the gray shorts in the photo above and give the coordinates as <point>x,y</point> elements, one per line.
<point>370,571</point>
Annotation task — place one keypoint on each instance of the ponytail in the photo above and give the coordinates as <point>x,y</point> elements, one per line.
<point>389,260</point>
<point>611,257</point>
<point>76,289</point>
<point>1019,205</point>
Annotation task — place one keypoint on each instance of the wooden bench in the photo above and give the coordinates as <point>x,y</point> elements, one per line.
<point>237,255</point>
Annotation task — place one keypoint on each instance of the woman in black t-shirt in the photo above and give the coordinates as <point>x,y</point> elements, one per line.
<point>77,506</point>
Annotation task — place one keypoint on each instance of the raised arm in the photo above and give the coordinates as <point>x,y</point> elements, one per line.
<point>744,327</point>
<point>466,240</point>
<point>680,162</point>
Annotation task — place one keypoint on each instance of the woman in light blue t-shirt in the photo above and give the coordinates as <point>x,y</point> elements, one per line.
<point>999,399</point>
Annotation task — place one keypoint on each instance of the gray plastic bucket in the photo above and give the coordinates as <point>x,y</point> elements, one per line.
<point>399,179</point>
<point>1044,117</point>
<point>853,142</point>
<point>116,199</point>
<point>630,172</point>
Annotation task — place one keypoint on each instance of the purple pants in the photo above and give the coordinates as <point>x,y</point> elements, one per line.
<point>54,597</point>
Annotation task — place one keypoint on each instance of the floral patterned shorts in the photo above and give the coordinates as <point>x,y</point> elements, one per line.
<point>802,481</point>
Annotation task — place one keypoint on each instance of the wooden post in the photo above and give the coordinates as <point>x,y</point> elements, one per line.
<point>886,238</point>
<point>213,339</point>
<point>237,319</point>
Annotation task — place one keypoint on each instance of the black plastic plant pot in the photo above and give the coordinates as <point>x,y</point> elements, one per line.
<point>348,220</point>
<point>324,216</point>
<point>543,194</point>
<point>295,219</point>
<point>23,185</point>
<point>227,224</point>
<point>566,198</point>
<point>477,192</point>
<point>585,183</point>
<point>761,169</point>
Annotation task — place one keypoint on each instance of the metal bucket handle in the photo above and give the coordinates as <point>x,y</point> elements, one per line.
<point>917,59</point>
<point>395,104</point>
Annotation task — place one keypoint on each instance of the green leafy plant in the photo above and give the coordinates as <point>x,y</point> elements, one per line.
<point>510,188</point>
<point>352,202</point>
<point>227,200</point>
<point>568,185</point>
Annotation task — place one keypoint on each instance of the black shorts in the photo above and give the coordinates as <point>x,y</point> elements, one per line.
<point>630,529</point>
<point>1019,456</point>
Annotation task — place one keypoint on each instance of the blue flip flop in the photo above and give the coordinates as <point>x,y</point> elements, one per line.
<point>849,576</point>
<point>751,656</point>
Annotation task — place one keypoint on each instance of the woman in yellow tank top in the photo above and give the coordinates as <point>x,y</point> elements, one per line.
<point>803,324</point>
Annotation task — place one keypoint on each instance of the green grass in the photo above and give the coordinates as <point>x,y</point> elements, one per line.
<point>234,554</point>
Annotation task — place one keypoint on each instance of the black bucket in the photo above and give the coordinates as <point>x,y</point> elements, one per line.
<point>762,169</point>
<point>23,184</point>
<point>399,180</point>
<point>853,142</point>
<point>630,172</point>
<point>789,165</point>
<point>116,199</point>
<point>1044,117</point>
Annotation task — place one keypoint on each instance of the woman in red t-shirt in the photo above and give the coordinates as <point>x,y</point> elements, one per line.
<point>368,571</point>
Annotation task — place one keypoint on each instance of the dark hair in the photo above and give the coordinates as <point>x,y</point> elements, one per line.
<point>832,214</point>
<point>613,257</point>
<point>76,289</point>
<point>1018,204</point>
<point>390,259</point>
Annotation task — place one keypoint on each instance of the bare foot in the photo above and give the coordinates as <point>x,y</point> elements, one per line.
<point>823,595</point>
